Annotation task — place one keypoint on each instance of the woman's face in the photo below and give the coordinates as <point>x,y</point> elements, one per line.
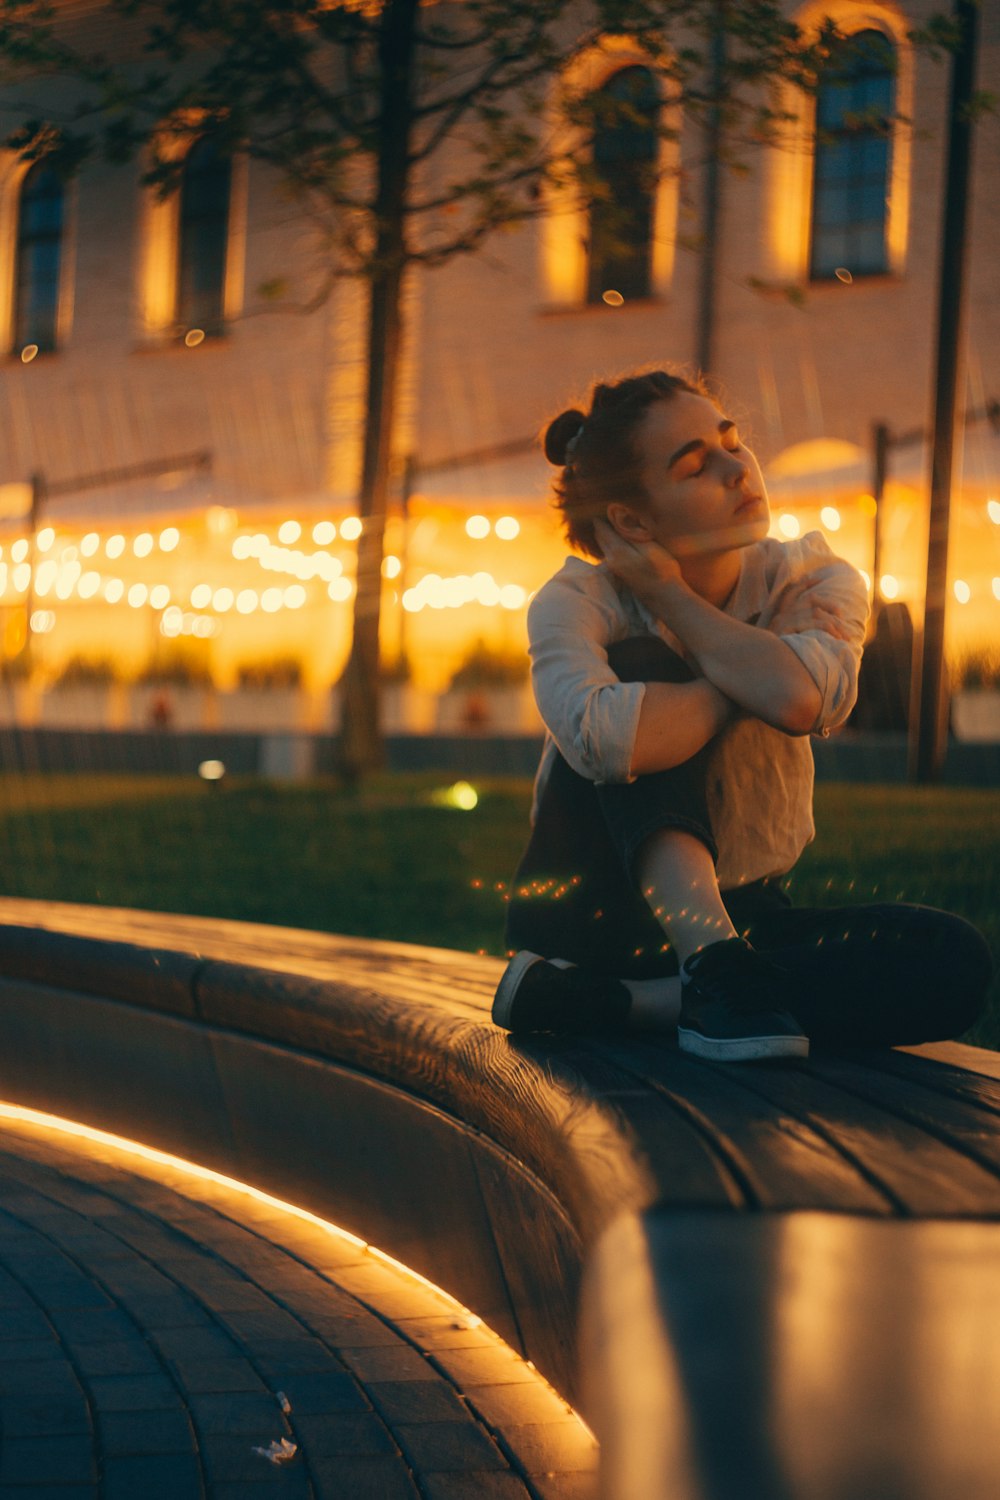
<point>705,490</point>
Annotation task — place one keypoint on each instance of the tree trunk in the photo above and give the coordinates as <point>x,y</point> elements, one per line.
<point>360,732</point>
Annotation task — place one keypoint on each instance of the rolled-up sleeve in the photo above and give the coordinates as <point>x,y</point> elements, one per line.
<point>832,660</point>
<point>590,714</point>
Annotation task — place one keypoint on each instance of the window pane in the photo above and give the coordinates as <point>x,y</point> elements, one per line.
<point>204,234</point>
<point>624,154</point>
<point>39,247</point>
<point>851,162</point>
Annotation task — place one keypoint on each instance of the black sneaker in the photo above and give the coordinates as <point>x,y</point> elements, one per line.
<point>733,1006</point>
<point>538,994</point>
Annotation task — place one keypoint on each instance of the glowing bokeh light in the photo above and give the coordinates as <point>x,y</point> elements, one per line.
<point>159,596</point>
<point>789,525</point>
<point>289,532</point>
<point>45,538</point>
<point>962,591</point>
<point>201,596</point>
<point>115,545</point>
<point>350,528</point>
<point>888,586</point>
<point>114,590</point>
<point>477,527</point>
<point>90,544</point>
<point>323,533</point>
<point>222,600</point>
<point>507,528</point>
<point>830,517</point>
<point>391,567</point>
<point>138,595</point>
<point>143,544</point>
<point>169,538</point>
<point>19,550</point>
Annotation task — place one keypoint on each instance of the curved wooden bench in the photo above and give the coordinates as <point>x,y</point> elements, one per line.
<point>789,1288</point>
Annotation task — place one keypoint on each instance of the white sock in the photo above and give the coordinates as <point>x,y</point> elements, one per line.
<point>656,1003</point>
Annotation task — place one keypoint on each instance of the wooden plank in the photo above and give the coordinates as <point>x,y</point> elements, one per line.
<point>914,1167</point>
<point>967,1133</point>
<point>795,1357</point>
<point>975,1089</point>
<point>782,1161</point>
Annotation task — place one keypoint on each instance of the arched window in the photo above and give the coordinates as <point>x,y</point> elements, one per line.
<point>39,247</point>
<point>203,237</point>
<point>625,150</point>
<point>855,105</point>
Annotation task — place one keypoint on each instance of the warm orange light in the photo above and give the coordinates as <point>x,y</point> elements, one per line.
<point>152,1156</point>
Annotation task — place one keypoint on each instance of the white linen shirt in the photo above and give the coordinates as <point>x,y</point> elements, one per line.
<point>760,780</point>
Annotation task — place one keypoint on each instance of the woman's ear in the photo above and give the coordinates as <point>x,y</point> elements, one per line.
<point>628,523</point>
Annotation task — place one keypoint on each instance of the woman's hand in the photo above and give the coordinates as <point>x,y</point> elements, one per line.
<point>796,611</point>
<point>644,567</point>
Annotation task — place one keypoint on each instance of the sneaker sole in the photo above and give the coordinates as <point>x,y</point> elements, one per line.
<point>741,1049</point>
<point>503,1000</point>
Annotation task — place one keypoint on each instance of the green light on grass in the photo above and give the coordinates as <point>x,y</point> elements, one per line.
<point>461,795</point>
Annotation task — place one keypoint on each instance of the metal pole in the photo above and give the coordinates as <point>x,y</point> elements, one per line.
<point>880,461</point>
<point>711,206</point>
<point>929,715</point>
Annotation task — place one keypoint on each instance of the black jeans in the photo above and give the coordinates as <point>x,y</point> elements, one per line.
<point>867,975</point>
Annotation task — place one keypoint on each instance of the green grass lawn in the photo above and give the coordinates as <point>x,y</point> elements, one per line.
<point>388,862</point>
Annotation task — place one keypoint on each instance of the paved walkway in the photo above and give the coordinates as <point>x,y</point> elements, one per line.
<point>161,1336</point>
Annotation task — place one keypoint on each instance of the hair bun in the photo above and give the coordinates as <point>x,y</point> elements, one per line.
<point>560,433</point>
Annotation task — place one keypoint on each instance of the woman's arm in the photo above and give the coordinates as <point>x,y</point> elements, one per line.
<point>677,719</point>
<point>752,667</point>
<point>609,730</point>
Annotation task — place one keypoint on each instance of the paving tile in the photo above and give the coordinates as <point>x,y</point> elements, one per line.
<point>145,1432</point>
<point>48,1492</point>
<point>432,1400</point>
<point>488,1366</point>
<point>287,1482</point>
<point>24,1322</point>
<point>120,1357</point>
<point>176,1311</point>
<point>396,1362</point>
<point>357,1331</point>
<point>133,1393</point>
<point>42,1377</point>
<point>542,1446</point>
<point>557,1486</point>
<point>237,1412</point>
<point>444,1331</point>
<point>250,1324</point>
<point>24,1416</point>
<point>516,1403</point>
<point>93,1325</point>
<point>230,1458</point>
<point>364,1479</point>
<point>305,1356</point>
<point>57,1460</point>
<point>440,1446</point>
<point>324,1393</point>
<point>27,1351</point>
<point>167,1476</point>
<point>482,1484</point>
<point>194,1343</point>
<point>216,1375</point>
<point>358,1435</point>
